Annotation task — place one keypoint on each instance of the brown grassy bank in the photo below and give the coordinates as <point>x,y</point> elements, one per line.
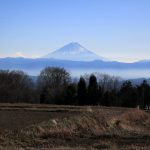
<point>66,127</point>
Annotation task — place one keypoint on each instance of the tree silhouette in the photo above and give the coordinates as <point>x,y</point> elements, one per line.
<point>16,86</point>
<point>92,90</point>
<point>82,92</point>
<point>53,81</point>
<point>144,94</point>
<point>128,95</point>
<point>70,94</point>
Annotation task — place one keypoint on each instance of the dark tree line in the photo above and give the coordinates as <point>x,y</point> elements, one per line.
<point>124,95</point>
<point>55,86</point>
<point>16,86</point>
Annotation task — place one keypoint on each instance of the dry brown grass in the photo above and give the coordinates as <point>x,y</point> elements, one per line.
<point>131,122</point>
<point>86,124</point>
<point>135,115</point>
<point>58,148</point>
<point>88,128</point>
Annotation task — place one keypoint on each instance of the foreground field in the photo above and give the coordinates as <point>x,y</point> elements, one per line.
<point>43,127</point>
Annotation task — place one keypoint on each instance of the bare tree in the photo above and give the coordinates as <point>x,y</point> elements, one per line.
<point>52,81</point>
<point>15,86</point>
<point>106,82</point>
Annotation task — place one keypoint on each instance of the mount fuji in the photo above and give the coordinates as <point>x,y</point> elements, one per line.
<point>75,52</point>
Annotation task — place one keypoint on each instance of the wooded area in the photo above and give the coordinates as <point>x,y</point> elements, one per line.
<point>55,86</point>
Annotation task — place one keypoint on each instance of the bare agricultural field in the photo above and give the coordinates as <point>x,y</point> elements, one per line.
<point>43,127</point>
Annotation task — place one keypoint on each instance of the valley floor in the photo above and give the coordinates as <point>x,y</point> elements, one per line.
<point>43,127</point>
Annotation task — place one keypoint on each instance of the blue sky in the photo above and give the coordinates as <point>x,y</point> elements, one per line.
<point>116,29</point>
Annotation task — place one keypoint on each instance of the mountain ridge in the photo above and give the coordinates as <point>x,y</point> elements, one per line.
<point>74,51</point>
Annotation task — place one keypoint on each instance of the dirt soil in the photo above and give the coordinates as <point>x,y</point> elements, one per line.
<point>43,127</point>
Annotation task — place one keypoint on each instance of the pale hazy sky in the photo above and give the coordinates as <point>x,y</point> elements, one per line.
<point>117,29</point>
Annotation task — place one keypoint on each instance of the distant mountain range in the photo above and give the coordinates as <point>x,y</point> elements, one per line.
<point>29,65</point>
<point>72,57</point>
<point>14,63</point>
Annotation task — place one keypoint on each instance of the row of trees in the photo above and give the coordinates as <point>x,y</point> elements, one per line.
<point>125,94</point>
<point>55,86</point>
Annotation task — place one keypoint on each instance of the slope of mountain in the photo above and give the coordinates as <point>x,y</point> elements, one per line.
<point>75,52</point>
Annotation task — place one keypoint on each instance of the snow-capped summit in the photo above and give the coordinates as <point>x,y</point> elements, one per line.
<point>74,51</point>
<point>72,48</point>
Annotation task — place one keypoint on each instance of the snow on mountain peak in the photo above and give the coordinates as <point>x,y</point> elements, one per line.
<point>72,48</point>
<point>74,51</point>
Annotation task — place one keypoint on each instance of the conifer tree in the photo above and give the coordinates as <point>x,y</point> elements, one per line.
<point>92,90</point>
<point>82,92</point>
